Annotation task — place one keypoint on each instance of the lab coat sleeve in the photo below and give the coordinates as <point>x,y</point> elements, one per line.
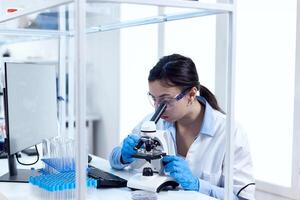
<point>214,191</point>
<point>243,178</point>
<point>115,159</point>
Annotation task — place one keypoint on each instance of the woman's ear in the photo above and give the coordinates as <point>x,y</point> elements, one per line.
<point>193,92</point>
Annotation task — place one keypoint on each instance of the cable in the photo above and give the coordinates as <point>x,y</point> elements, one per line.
<point>28,164</point>
<point>244,188</point>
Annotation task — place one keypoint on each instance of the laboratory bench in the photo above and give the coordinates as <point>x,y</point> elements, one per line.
<point>24,191</point>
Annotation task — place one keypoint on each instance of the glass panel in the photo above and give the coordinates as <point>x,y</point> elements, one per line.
<point>133,96</point>
<point>8,7</point>
<point>15,9</point>
<point>49,19</point>
<point>27,37</point>
<point>138,56</point>
<point>38,26</point>
<point>137,18</point>
<point>265,84</point>
<point>199,44</point>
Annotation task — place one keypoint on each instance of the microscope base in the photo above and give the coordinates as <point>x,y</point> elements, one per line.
<point>154,183</point>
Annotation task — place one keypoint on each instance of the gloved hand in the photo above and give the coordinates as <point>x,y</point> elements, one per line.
<point>178,169</point>
<point>127,149</point>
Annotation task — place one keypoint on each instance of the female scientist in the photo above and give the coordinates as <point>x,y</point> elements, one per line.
<point>197,133</point>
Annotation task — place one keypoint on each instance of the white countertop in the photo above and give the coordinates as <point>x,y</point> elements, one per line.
<point>24,191</point>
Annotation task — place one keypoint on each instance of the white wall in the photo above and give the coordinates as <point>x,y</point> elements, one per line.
<point>264,88</point>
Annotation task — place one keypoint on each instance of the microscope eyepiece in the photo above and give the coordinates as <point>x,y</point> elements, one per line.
<point>159,111</point>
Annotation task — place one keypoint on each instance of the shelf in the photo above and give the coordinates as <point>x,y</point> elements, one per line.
<point>11,36</point>
<point>103,8</point>
<point>39,5</point>
<point>151,20</point>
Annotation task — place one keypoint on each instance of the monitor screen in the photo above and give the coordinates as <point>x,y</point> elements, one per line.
<point>31,104</point>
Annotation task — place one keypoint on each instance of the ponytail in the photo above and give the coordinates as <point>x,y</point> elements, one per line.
<point>210,98</point>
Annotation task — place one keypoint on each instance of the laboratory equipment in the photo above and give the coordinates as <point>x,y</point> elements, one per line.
<point>105,179</point>
<point>30,111</point>
<point>30,152</point>
<point>152,147</point>
<point>58,185</point>
<point>57,179</point>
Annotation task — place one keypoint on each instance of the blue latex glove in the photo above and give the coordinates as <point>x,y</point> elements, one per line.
<point>127,149</point>
<point>178,169</point>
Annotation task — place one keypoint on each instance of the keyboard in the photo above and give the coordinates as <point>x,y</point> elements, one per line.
<point>106,179</point>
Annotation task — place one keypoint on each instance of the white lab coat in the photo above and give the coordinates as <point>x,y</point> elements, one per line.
<point>206,155</point>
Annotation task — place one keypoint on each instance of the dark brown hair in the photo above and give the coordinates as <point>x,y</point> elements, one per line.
<point>180,71</point>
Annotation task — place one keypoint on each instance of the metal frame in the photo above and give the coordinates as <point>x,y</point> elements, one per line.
<point>80,73</point>
<point>151,20</point>
<point>230,106</point>
<point>296,137</point>
<point>80,98</point>
<point>70,45</point>
<point>62,71</point>
<point>33,32</point>
<point>227,7</point>
<point>29,35</point>
<point>161,35</point>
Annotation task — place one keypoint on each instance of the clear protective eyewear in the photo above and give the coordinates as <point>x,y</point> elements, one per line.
<point>155,102</point>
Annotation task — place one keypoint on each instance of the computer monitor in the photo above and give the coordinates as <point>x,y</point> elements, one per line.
<point>30,106</point>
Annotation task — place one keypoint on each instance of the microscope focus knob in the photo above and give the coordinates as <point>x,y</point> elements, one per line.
<point>147,171</point>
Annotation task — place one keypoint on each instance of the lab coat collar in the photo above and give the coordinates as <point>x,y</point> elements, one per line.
<point>208,118</point>
<point>207,123</point>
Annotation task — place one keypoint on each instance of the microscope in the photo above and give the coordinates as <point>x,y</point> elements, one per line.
<point>151,147</point>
